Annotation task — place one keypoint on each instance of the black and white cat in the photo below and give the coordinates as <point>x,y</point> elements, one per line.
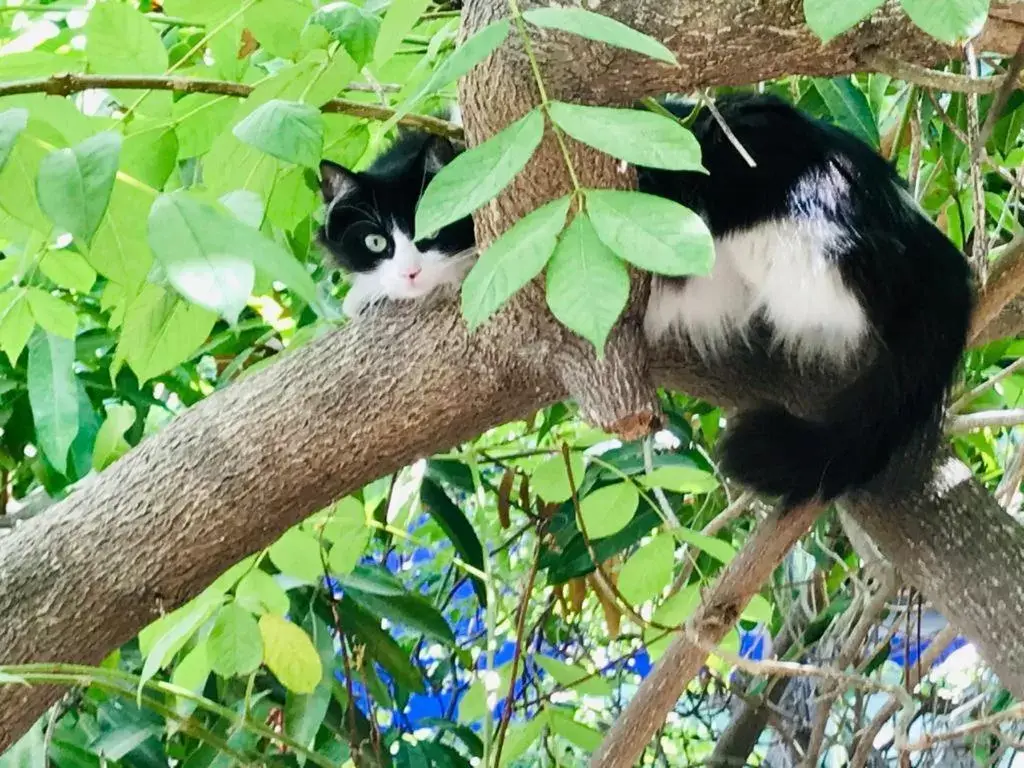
<point>819,249</point>
<point>368,225</point>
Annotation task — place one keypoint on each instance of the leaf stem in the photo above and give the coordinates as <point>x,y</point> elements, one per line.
<point>517,16</point>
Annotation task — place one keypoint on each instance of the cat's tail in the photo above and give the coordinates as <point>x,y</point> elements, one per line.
<point>893,406</point>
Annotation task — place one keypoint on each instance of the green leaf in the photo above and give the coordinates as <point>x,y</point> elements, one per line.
<point>583,736</point>
<point>608,510</point>
<point>381,646</point>
<point>634,135</point>
<point>594,26</point>
<point>574,678</point>
<point>346,552</point>
<point>512,261</point>
<point>676,610</point>
<point>550,481</point>
<point>277,25</point>
<point>648,570</point>
<point>68,269</point>
<point>830,18</point>
<point>948,20</point>
<point>54,315</point>
<point>185,624</point>
<point>74,185</point>
<point>290,654</point>
<point>120,40</point>
<point>12,123</point>
<point>399,20</point>
<point>235,645</point>
<point>722,551</point>
<point>519,738</point>
<point>408,610</point>
<point>372,580</point>
<point>191,674</point>
<point>53,395</point>
<point>203,258</point>
<point>161,331</point>
<point>477,176</point>
<point>298,554</point>
<point>849,107</point>
<point>288,130</point>
<point>198,119</point>
<point>457,528</point>
<point>304,713</point>
<point>110,444</point>
<point>16,323</point>
<point>651,232</point>
<point>353,27</point>
<point>119,250</point>
<point>259,592</point>
<point>587,284</point>
<point>758,609</point>
<point>680,480</point>
<point>475,49</point>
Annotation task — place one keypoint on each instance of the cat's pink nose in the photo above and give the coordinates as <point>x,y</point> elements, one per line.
<point>412,273</point>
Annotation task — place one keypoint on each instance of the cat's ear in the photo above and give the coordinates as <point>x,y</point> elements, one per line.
<point>336,181</point>
<point>437,153</point>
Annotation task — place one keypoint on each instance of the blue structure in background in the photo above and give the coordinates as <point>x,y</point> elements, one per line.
<point>468,622</point>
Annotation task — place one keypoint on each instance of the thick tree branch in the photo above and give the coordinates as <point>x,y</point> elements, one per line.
<point>232,473</point>
<point>719,611</point>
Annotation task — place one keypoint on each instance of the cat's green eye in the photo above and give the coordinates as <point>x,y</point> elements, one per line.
<point>376,243</point>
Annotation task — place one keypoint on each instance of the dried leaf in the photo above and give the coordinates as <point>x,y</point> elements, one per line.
<point>504,491</point>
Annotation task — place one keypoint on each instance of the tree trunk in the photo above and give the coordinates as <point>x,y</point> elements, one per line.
<point>231,474</point>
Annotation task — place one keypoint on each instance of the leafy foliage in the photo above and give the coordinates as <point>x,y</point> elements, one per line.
<point>157,247</point>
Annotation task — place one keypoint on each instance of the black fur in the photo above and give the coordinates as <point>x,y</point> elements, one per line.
<point>387,192</point>
<point>913,284</point>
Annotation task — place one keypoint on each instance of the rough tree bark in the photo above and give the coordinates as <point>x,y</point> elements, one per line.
<point>231,474</point>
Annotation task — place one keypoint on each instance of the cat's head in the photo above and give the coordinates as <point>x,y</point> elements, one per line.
<point>369,224</point>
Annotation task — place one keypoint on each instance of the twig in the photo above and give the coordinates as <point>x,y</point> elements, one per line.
<point>969,422</point>
<point>710,104</point>
<point>69,83</point>
<point>599,575</point>
<point>979,249</point>
<point>1010,82</point>
<point>846,655</point>
<point>667,513</point>
<point>930,78</point>
<point>723,518</point>
<point>717,614</point>
<point>1005,283</point>
<point>866,739</point>
<point>510,697</point>
<point>984,723</point>
<point>1011,478</point>
<point>961,402</point>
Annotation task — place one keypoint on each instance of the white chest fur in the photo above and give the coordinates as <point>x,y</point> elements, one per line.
<point>780,269</point>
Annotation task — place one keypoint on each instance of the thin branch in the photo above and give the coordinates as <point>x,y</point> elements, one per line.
<point>969,422</point>
<point>1005,283</point>
<point>524,602</point>
<point>69,83</point>
<point>710,104</point>
<point>967,397</point>
<point>931,78</point>
<point>1010,82</point>
<point>866,739</point>
<point>979,249</point>
<point>982,724</point>
<point>848,652</point>
<point>719,610</point>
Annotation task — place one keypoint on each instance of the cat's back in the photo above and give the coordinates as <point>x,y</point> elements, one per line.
<point>803,167</point>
